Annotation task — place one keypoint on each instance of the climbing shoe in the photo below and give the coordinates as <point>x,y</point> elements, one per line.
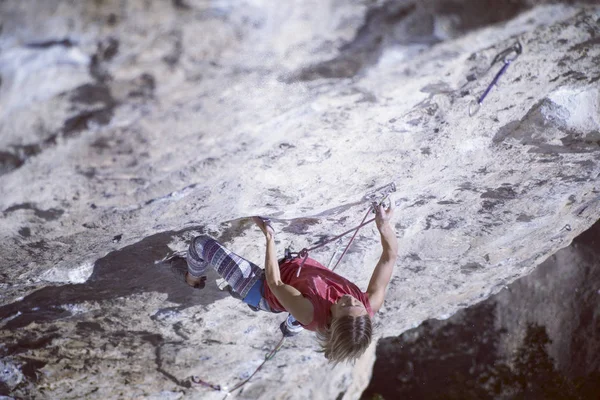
<point>290,327</point>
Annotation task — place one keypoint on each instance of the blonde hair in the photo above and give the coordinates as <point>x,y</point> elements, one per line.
<point>346,338</point>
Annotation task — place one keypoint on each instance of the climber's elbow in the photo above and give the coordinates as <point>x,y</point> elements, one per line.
<point>274,282</point>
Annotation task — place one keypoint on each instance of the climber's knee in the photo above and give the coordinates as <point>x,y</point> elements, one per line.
<point>196,263</point>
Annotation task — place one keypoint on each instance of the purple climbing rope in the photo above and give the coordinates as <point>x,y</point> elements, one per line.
<point>304,252</point>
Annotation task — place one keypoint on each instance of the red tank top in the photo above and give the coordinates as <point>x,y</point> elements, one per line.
<point>318,284</point>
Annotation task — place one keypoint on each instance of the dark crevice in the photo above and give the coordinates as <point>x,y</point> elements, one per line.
<point>395,23</point>
<point>109,49</point>
<point>364,50</point>
<point>92,94</point>
<point>585,45</point>
<point>92,103</point>
<point>173,57</point>
<point>4,389</point>
<point>9,162</point>
<point>158,360</point>
<point>30,341</point>
<point>85,327</point>
<point>181,4</point>
<point>31,367</point>
<point>178,329</point>
<point>50,43</point>
<point>144,86</point>
<point>473,14</point>
<point>97,107</point>
<point>106,50</point>
<point>82,121</point>
<point>50,214</point>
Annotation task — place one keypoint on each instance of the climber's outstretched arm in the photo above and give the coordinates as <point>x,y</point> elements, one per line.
<point>289,297</point>
<point>384,268</point>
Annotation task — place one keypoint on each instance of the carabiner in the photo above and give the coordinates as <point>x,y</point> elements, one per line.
<point>507,54</point>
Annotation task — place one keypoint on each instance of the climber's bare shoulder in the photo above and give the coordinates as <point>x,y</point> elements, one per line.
<point>300,307</point>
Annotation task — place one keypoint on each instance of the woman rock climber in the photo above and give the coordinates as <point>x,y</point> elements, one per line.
<point>318,299</point>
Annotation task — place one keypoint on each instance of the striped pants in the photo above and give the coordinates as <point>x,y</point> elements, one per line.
<point>244,277</point>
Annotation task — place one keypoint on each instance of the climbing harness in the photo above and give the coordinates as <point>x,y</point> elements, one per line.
<point>290,327</point>
<point>507,56</point>
<point>384,191</point>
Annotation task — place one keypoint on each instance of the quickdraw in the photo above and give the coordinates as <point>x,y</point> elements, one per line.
<point>507,56</point>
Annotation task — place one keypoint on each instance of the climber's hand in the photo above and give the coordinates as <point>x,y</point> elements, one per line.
<point>265,226</point>
<point>383,215</point>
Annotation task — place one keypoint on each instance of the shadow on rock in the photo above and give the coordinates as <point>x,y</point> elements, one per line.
<point>130,270</point>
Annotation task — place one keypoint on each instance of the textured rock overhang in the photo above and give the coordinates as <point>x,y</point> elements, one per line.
<point>127,128</point>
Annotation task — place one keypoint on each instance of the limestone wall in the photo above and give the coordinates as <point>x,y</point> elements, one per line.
<point>127,127</point>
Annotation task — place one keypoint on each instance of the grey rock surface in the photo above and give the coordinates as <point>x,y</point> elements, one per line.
<point>126,128</point>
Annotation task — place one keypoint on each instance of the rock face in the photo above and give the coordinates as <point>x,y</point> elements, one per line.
<point>538,338</point>
<point>129,127</point>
